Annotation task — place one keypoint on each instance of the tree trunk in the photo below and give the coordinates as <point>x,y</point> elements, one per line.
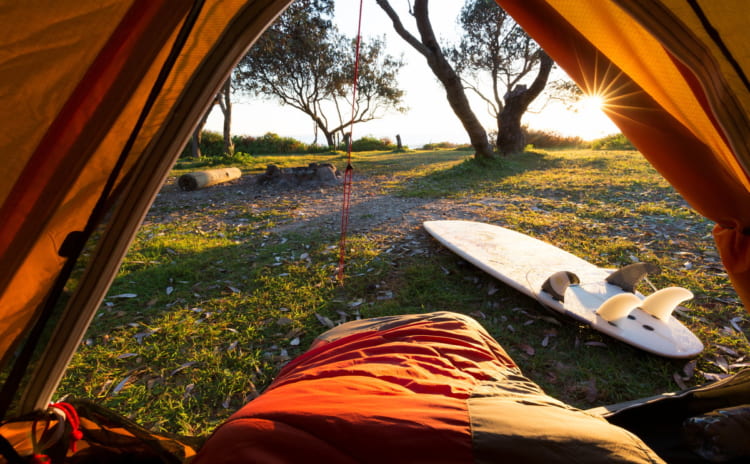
<point>330,140</point>
<point>225,103</point>
<point>228,144</point>
<point>195,140</point>
<point>510,136</point>
<point>454,90</point>
<point>195,145</point>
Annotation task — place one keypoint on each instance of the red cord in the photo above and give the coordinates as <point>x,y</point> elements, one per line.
<point>349,172</point>
<point>75,422</point>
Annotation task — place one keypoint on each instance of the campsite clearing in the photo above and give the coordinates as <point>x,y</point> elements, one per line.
<point>224,285</point>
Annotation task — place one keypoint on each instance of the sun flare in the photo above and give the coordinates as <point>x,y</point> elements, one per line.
<point>591,105</point>
<point>590,119</point>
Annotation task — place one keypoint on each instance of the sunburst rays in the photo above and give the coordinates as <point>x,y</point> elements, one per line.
<point>606,86</point>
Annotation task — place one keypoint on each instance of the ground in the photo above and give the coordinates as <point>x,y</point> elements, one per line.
<point>247,271</point>
<point>373,209</point>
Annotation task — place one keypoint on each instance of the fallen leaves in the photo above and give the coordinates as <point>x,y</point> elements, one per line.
<point>228,289</point>
<point>679,380</point>
<point>325,321</point>
<point>528,349</point>
<point>182,367</point>
<point>121,385</point>
<point>596,344</point>
<point>548,335</point>
<point>188,391</point>
<point>687,374</point>
<point>590,391</point>
<point>284,321</point>
<point>141,335</point>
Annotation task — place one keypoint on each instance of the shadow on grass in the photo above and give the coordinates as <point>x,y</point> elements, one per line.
<point>474,175</point>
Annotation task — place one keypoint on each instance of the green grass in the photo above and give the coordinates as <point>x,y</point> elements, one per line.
<point>210,303</point>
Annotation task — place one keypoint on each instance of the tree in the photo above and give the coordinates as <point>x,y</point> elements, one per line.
<point>376,92</point>
<point>305,63</point>
<point>429,47</point>
<point>223,99</point>
<point>493,43</point>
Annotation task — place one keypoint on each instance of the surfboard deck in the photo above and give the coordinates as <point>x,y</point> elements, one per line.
<point>525,263</point>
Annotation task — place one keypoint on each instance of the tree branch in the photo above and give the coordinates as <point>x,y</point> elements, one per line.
<point>401,30</point>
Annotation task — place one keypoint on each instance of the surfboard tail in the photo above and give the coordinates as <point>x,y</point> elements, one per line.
<point>558,282</point>
<point>661,304</point>
<point>618,306</point>
<point>629,276</point>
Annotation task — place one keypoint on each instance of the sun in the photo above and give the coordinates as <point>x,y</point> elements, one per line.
<point>589,118</point>
<point>591,105</point>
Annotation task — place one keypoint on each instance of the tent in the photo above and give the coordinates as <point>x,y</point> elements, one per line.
<point>101,96</point>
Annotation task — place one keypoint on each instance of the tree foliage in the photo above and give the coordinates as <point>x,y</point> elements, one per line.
<point>304,62</point>
<point>428,46</point>
<point>493,44</point>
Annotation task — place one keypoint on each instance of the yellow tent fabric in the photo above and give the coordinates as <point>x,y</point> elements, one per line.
<point>77,79</point>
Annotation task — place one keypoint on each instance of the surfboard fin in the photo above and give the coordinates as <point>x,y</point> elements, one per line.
<point>628,277</point>
<point>662,303</point>
<point>618,306</point>
<point>558,282</point>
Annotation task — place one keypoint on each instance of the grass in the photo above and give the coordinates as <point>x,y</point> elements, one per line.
<point>210,302</point>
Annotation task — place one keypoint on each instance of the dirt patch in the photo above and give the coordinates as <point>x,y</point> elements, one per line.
<point>373,210</point>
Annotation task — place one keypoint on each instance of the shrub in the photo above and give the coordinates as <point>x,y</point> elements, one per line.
<point>550,139</point>
<point>612,142</point>
<point>439,145</point>
<point>212,145</point>
<point>544,139</point>
<point>371,144</point>
<point>268,143</point>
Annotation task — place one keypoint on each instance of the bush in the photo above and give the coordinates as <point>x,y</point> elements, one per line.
<point>550,139</point>
<point>612,142</point>
<point>372,144</point>
<point>544,139</point>
<point>268,143</point>
<point>439,145</point>
<point>212,145</point>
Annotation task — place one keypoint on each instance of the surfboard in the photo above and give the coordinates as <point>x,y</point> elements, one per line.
<point>603,298</point>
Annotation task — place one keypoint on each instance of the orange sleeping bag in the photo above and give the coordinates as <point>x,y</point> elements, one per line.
<point>418,388</point>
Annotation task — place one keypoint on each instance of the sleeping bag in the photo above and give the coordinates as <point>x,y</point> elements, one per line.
<point>429,388</point>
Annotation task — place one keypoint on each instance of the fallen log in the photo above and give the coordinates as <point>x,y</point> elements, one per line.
<point>201,179</point>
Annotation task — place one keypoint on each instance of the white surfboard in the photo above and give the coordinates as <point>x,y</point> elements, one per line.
<point>526,263</point>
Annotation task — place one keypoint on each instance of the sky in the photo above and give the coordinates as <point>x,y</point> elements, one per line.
<point>429,118</point>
